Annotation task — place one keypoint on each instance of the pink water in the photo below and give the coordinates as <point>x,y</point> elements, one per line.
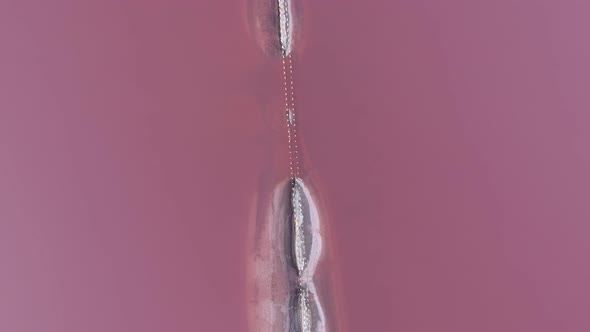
<point>449,140</point>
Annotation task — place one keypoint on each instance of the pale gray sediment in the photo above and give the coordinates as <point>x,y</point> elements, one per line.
<point>306,311</point>
<point>274,24</point>
<point>285,26</point>
<point>288,237</point>
<point>284,259</point>
<point>298,239</point>
<point>306,243</point>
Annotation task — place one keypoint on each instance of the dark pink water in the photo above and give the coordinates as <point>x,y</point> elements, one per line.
<point>452,139</point>
<point>449,140</point>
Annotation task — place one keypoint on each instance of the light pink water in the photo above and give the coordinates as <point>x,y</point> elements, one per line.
<point>449,140</point>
